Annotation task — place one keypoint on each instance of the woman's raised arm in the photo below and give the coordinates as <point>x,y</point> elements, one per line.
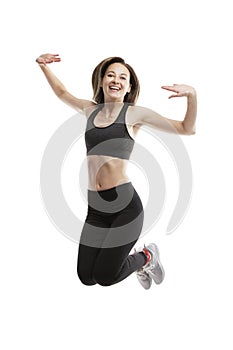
<point>57,86</point>
<point>145,116</point>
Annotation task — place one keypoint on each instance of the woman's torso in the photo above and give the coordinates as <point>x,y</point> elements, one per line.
<point>109,146</point>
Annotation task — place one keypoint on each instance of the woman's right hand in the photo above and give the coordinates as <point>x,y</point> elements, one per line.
<point>48,58</point>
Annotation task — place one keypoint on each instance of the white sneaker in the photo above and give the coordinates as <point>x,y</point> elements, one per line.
<point>144,279</point>
<point>154,267</point>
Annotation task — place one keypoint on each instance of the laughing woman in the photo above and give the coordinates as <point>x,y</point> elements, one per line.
<point>115,212</point>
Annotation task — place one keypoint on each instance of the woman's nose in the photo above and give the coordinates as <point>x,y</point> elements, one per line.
<point>116,80</point>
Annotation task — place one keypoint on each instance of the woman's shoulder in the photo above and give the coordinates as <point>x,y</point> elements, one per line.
<point>89,108</point>
<point>134,114</point>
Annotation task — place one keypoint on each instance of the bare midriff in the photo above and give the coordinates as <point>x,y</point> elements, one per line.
<point>105,172</point>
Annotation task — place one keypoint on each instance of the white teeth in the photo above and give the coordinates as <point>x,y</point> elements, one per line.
<point>114,88</point>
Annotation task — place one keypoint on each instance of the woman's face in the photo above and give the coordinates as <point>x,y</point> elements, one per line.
<point>116,83</point>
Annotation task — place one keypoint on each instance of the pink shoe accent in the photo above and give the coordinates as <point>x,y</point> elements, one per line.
<point>148,256</point>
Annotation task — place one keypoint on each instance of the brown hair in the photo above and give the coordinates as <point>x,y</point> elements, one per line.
<point>99,72</point>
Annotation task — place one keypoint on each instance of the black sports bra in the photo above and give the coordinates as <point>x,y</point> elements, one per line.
<point>113,140</point>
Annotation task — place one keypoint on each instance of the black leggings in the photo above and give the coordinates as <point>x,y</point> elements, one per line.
<point>112,227</point>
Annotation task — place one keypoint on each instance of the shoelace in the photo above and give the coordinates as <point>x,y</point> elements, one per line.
<point>145,270</point>
<point>140,273</point>
<point>148,268</point>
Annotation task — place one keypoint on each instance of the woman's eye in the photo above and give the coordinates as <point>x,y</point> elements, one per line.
<point>110,75</point>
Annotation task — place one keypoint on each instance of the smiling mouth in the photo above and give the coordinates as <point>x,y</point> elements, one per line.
<point>114,88</point>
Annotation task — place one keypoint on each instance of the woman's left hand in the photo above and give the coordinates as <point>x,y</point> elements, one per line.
<point>180,90</point>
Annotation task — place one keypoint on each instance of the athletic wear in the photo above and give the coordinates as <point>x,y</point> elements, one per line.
<point>112,227</point>
<point>114,218</point>
<point>144,279</point>
<point>152,269</point>
<point>113,140</point>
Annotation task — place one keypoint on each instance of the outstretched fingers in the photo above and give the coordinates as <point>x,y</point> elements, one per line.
<point>55,58</point>
<point>179,89</point>
<point>48,58</point>
<point>173,88</point>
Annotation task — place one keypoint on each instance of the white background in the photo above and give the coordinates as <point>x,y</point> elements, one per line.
<point>43,304</point>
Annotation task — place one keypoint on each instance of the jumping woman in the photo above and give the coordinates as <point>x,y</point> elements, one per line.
<point>115,213</point>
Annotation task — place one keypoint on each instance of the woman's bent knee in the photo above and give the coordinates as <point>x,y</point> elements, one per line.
<point>104,279</point>
<point>85,278</point>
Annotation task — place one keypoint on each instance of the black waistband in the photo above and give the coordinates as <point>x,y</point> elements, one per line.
<point>112,199</point>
